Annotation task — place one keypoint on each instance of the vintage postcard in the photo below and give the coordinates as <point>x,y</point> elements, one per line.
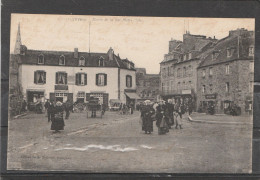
<point>130,94</point>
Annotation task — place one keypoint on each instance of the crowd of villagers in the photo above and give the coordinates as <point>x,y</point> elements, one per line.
<point>166,115</point>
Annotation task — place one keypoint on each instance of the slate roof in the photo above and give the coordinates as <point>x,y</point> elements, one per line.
<point>222,46</point>
<point>51,58</point>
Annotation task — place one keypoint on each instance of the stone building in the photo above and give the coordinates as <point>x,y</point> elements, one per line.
<point>178,69</point>
<point>226,73</point>
<point>74,76</point>
<point>147,85</point>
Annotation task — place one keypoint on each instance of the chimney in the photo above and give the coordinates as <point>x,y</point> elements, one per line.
<point>110,53</point>
<point>76,53</point>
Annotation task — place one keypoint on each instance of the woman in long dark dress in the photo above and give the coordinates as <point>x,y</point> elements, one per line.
<point>146,115</point>
<point>161,119</point>
<point>57,121</point>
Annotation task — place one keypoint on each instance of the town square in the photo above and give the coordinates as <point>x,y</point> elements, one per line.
<point>97,94</point>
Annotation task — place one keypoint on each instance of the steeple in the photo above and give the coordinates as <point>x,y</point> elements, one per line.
<point>18,43</point>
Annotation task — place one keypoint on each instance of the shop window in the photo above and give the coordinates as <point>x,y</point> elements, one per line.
<point>39,77</point>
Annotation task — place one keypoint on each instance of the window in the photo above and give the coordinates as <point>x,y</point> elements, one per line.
<point>172,70</point>
<point>190,55</point>
<point>60,94</point>
<point>101,79</point>
<point>179,72</point>
<point>227,87</point>
<point>190,70</point>
<point>190,84</point>
<point>81,79</point>
<point>164,72</point>
<point>184,72</point>
<point>210,71</point>
<point>40,59</point>
<point>81,61</point>
<point>229,52</point>
<point>210,88</point>
<point>81,94</point>
<point>168,71</point>
<point>184,57</point>
<point>172,85</point>
<point>162,87</point>
<point>61,78</point>
<point>251,51</point>
<point>101,62</point>
<point>179,86</point>
<point>128,81</point>
<point>203,89</point>
<point>227,68</point>
<point>251,66</point>
<point>62,60</point>
<point>39,77</point>
<point>215,55</point>
<point>183,85</point>
<point>203,72</point>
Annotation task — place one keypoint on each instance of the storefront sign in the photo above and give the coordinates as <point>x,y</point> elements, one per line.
<point>187,91</point>
<point>211,96</point>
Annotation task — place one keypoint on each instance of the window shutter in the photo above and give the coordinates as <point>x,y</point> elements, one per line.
<point>57,75</point>
<point>126,78</point>
<point>65,78</point>
<point>44,77</point>
<point>79,79</point>
<point>130,81</point>
<point>97,79</point>
<point>105,78</point>
<point>77,82</point>
<point>35,77</point>
<point>85,79</point>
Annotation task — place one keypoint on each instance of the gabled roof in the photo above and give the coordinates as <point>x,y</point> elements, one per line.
<point>230,42</point>
<point>52,58</point>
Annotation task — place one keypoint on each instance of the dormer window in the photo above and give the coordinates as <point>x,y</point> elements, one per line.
<point>81,61</point>
<point>128,65</point>
<point>190,55</point>
<point>230,51</point>
<point>40,59</point>
<point>251,51</point>
<point>215,55</point>
<point>101,62</point>
<point>62,60</point>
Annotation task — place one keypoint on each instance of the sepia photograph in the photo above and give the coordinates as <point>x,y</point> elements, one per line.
<point>130,94</point>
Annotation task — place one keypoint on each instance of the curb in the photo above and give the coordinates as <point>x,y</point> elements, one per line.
<point>217,122</point>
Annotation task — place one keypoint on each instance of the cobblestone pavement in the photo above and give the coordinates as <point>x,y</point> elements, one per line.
<point>116,143</point>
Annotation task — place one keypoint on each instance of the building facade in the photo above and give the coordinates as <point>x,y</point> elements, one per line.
<point>226,74</point>
<point>178,69</point>
<point>147,85</point>
<point>75,76</point>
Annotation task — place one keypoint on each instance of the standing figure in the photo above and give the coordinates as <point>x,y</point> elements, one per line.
<point>24,105</point>
<point>146,115</point>
<point>178,117</point>
<point>93,104</point>
<point>160,119</point>
<point>67,108</point>
<point>57,119</point>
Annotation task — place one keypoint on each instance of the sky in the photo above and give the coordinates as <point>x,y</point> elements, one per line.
<point>143,40</point>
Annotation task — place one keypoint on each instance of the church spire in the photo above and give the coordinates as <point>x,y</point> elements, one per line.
<point>18,43</point>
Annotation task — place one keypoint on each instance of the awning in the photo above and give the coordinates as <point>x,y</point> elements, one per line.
<point>115,101</point>
<point>132,95</point>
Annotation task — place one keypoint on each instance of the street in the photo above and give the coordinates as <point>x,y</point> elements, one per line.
<point>116,143</point>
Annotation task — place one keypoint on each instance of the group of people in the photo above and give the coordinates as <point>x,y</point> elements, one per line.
<point>55,114</point>
<point>126,109</point>
<point>166,114</point>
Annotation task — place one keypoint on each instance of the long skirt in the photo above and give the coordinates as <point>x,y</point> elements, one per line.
<point>147,124</point>
<point>163,127</point>
<point>57,124</point>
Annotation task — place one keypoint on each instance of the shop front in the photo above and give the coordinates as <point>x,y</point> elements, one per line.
<point>131,98</point>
